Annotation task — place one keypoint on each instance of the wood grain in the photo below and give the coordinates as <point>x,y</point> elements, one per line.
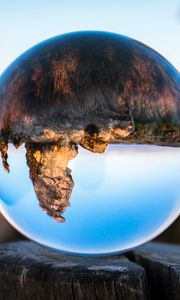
<point>32,272</point>
<point>162,265</point>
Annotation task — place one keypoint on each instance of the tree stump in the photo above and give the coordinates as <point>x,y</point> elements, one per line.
<point>29,272</point>
<point>162,265</point>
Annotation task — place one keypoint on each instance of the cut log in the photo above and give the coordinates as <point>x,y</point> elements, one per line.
<point>32,272</point>
<point>162,265</point>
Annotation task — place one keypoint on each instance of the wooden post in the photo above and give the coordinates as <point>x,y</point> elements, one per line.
<point>162,265</point>
<point>29,272</point>
<point>32,272</point>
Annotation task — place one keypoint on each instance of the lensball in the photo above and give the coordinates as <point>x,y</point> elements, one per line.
<point>90,142</point>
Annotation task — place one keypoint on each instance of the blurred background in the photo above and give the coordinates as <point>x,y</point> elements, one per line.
<point>25,23</point>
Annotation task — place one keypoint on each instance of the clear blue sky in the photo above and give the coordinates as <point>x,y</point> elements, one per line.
<point>25,23</point>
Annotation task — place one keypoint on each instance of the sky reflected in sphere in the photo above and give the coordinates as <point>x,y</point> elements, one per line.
<point>120,199</point>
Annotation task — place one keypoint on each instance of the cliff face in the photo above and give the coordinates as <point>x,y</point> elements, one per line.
<point>51,177</point>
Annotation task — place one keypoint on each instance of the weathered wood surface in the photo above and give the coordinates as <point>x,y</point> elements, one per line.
<point>29,271</point>
<point>162,265</point>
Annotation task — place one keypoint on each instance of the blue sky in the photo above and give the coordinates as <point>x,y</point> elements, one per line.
<point>25,23</point>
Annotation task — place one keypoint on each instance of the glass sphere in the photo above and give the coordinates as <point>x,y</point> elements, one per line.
<point>121,199</point>
<point>119,100</point>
